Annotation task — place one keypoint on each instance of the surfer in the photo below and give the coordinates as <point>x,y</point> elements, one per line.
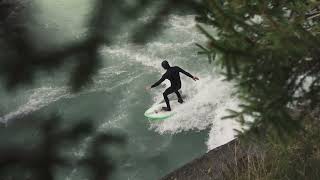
<point>172,74</point>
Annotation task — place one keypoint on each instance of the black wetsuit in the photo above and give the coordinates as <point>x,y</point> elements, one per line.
<point>173,76</point>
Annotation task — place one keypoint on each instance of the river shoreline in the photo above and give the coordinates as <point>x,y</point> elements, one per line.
<point>215,163</point>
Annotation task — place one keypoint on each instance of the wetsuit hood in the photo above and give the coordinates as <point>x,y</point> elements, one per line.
<point>165,64</point>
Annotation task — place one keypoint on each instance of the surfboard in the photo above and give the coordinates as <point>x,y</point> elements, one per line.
<point>156,113</point>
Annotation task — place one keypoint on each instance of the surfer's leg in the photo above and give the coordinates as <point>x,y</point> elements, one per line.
<point>179,96</point>
<point>166,99</point>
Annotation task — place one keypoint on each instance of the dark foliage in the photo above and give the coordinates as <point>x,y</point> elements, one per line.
<point>270,49</point>
<point>42,147</point>
<point>20,60</point>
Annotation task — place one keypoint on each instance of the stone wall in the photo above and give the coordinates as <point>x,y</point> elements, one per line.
<point>215,163</point>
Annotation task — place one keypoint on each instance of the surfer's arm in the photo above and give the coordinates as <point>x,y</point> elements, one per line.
<point>158,82</point>
<point>185,72</point>
<point>188,74</point>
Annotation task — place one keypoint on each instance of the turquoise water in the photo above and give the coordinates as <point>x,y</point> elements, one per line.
<point>117,99</point>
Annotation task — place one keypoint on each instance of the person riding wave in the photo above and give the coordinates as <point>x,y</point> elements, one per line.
<point>172,74</point>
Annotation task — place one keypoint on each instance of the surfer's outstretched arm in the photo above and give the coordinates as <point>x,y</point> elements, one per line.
<point>188,74</point>
<point>158,82</point>
<point>185,72</point>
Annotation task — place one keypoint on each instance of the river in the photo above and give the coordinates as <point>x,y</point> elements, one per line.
<point>117,99</point>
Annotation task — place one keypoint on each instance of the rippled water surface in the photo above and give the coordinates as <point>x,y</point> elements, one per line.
<point>117,99</point>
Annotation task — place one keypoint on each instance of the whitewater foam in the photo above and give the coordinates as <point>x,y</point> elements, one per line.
<point>207,99</point>
<point>206,103</point>
<point>40,98</point>
<point>44,96</point>
<point>222,131</point>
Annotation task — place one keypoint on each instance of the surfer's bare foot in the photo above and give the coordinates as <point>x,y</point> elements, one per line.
<point>180,101</point>
<point>166,109</point>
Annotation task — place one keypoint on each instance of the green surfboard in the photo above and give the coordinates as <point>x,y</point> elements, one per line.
<point>155,112</point>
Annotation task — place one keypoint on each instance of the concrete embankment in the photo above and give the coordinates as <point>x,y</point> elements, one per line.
<point>214,164</point>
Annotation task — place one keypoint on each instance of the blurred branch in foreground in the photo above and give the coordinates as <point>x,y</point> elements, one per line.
<point>36,148</point>
<point>17,44</point>
<point>37,151</point>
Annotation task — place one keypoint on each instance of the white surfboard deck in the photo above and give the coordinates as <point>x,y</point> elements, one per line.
<point>156,112</point>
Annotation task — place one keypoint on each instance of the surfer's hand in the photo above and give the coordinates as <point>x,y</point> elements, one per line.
<point>195,78</point>
<point>147,88</point>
